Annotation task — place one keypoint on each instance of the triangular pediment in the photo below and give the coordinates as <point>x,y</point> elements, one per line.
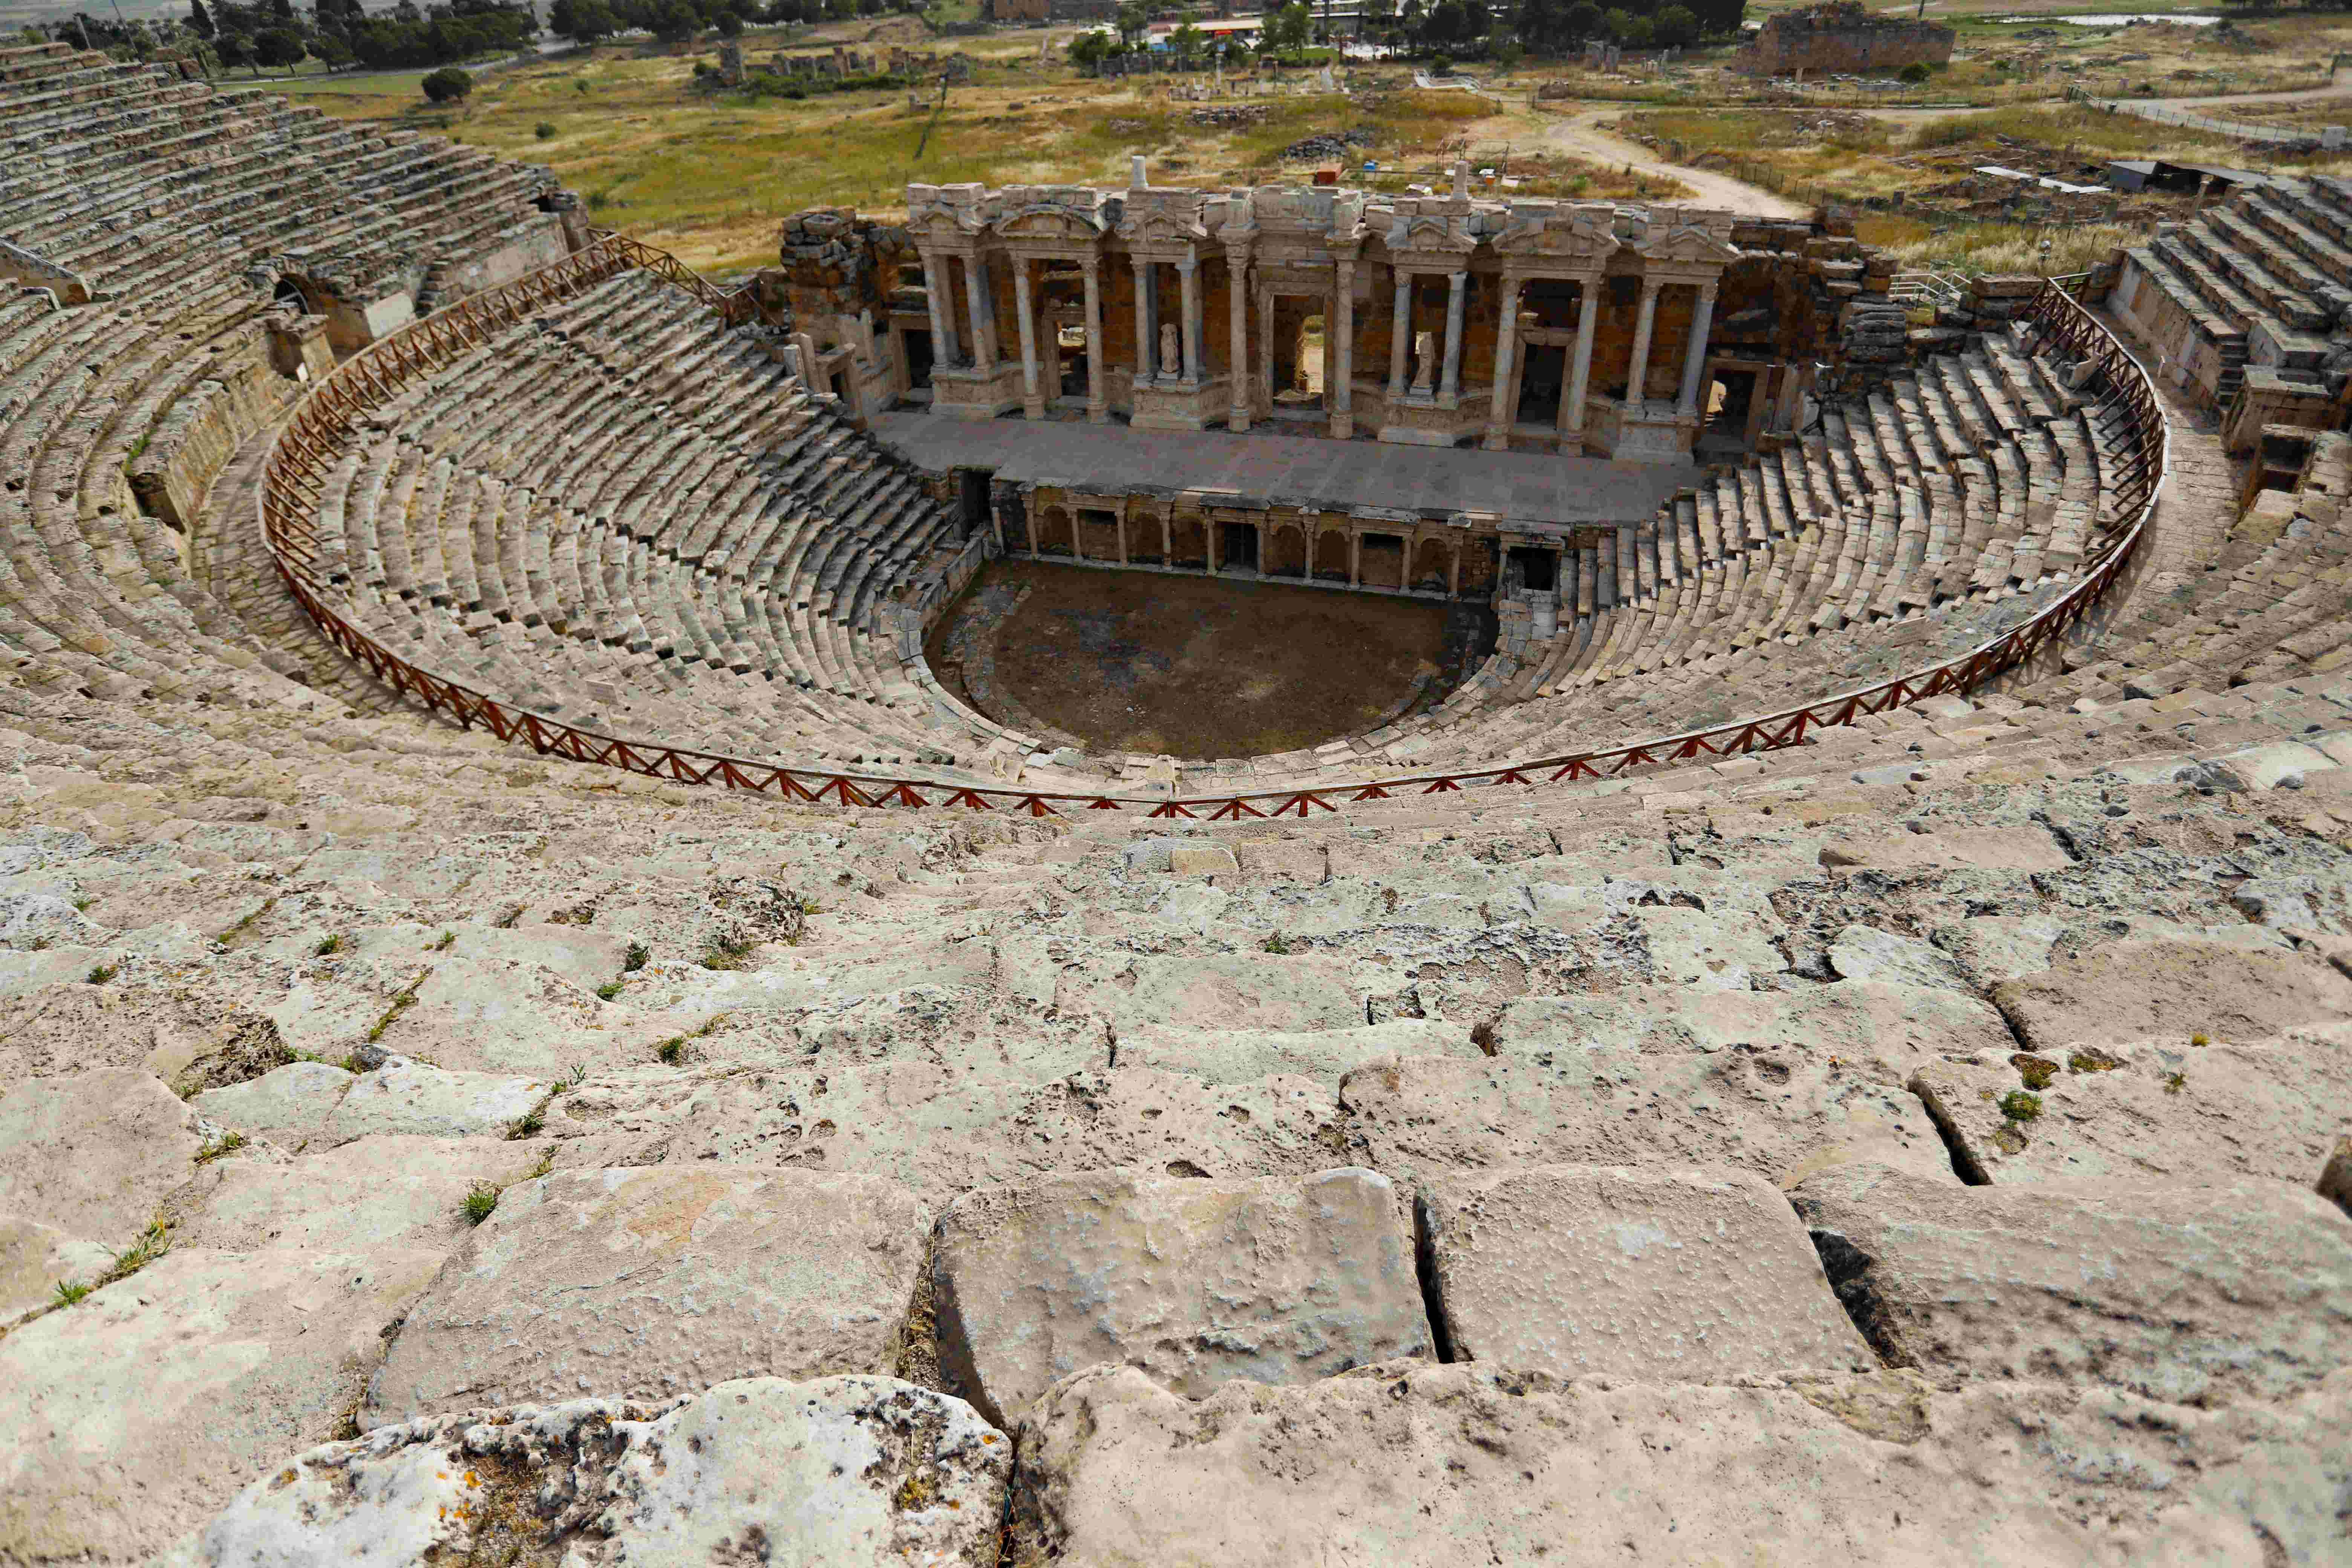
<point>1050,223</point>
<point>1688,244</point>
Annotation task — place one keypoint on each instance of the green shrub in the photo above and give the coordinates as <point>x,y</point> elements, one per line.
<point>1914,73</point>
<point>2020,1106</point>
<point>480,1201</point>
<point>636,958</point>
<point>102,973</point>
<point>544,130</point>
<point>607,992</point>
<point>448,85</point>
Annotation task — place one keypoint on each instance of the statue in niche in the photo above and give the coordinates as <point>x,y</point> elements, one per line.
<point>1171,354</point>
<point>1424,367</point>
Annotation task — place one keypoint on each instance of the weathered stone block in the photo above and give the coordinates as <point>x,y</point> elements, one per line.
<point>92,1154</point>
<point>1194,1281</point>
<point>1670,1275</point>
<point>840,1472</point>
<point>648,1283</point>
<point>2199,1294</point>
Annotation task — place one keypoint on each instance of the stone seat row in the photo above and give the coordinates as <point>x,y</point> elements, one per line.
<point>540,511</point>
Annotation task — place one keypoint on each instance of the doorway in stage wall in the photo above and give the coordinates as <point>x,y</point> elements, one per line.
<point>1237,546</point>
<point>972,486</point>
<point>919,360</point>
<point>1543,374</point>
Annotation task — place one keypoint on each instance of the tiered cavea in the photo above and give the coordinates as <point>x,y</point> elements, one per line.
<point>1918,1129</point>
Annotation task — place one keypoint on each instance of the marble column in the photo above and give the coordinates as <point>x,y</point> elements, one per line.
<point>1695,357</point>
<point>938,293</point>
<point>1265,341</point>
<point>1449,389</point>
<point>1188,275</point>
<point>1098,399</point>
<point>1339,354</point>
<point>1400,334</point>
<point>1507,340</point>
<point>983,315</point>
<point>1356,560</point>
<point>1638,369</point>
<point>1147,330</point>
<point>1032,402</point>
<point>1237,417</point>
<point>1579,378</point>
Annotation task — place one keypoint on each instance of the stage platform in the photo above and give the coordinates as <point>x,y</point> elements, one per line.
<point>1369,479</point>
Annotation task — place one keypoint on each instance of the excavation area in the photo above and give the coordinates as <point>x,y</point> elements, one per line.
<point>1151,662</point>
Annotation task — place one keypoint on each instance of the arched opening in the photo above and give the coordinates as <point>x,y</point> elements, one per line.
<point>1286,552</point>
<point>1189,543</point>
<point>288,296</point>
<point>1431,560</point>
<point>1331,556</point>
<point>1054,535</point>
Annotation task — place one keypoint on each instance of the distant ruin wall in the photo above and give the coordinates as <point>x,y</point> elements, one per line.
<point>1842,40</point>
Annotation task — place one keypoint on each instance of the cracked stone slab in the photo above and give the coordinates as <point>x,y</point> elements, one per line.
<point>1195,1281</point>
<point>648,1283</point>
<point>93,1153</point>
<point>1776,1111</point>
<point>2151,1113</point>
<point>1677,1275</point>
<point>35,1259</point>
<point>2132,990</point>
<point>2205,1292</point>
<point>413,1097</point>
<point>398,1191</point>
<point>287,1105</point>
<point>1469,1465</point>
<point>834,1472</point>
<point>141,1410</point>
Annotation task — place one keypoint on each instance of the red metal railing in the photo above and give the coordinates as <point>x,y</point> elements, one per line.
<point>294,481</point>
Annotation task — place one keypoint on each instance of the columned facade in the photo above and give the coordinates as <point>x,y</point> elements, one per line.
<point>1579,329</point>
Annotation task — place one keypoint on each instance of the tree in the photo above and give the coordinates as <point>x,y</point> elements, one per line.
<point>1132,17</point>
<point>448,85</point>
<point>582,21</point>
<point>1286,29</point>
<point>1091,47</point>
<point>278,47</point>
<point>1187,41</point>
<point>281,11</point>
<point>200,21</point>
<point>730,26</point>
<point>1675,27</point>
<point>233,53</point>
<point>671,21</point>
<point>1542,25</point>
<point>1583,20</point>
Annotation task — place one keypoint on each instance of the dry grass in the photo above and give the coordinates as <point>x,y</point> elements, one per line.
<point>1996,248</point>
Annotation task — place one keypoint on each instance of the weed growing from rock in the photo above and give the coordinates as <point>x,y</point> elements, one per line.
<point>71,1292</point>
<point>213,1148</point>
<point>480,1200</point>
<point>729,952</point>
<point>2020,1106</point>
<point>529,1125</point>
<point>608,991</point>
<point>2092,1059</point>
<point>671,1051</point>
<point>1277,943</point>
<point>100,973</point>
<point>2200,1039</point>
<point>2037,1071</point>
<point>448,939</point>
<point>403,999</point>
<point>2174,1083</point>
<point>636,958</point>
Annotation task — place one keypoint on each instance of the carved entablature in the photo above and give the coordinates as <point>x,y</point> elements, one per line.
<point>1057,220</point>
<point>1303,225</point>
<point>1550,240</point>
<point>1164,223</point>
<point>1432,234</point>
<point>1686,245</point>
<point>950,217</point>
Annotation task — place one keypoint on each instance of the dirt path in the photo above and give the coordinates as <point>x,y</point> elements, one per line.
<point>1580,134</point>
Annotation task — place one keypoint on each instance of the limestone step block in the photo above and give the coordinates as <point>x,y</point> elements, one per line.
<point>2151,1113</point>
<point>1193,1280</point>
<point>1469,1466</point>
<point>288,1105</point>
<point>93,1153</point>
<point>836,1472</point>
<point>35,1259</point>
<point>646,1283</point>
<point>2197,1292</point>
<point>1673,1275</point>
<point>138,1413</point>
<point>2022,848</point>
<point>413,1097</point>
<point>399,1191</point>
<point>2172,990</point>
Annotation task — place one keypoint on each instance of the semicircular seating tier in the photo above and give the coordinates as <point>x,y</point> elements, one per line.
<point>148,222</point>
<point>1899,531</point>
<point>619,514</point>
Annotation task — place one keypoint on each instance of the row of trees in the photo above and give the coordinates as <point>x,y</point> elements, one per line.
<point>675,21</point>
<point>1543,26</point>
<point>273,32</point>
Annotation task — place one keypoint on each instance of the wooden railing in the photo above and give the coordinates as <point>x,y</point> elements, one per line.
<point>295,478</point>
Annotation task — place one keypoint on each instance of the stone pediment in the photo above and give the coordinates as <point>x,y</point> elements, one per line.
<point>1577,236</point>
<point>1686,243</point>
<point>1424,234</point>
<point>1056,225</point>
